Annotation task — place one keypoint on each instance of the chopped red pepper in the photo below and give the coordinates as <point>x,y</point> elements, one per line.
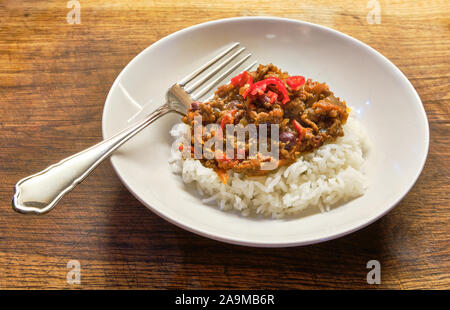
<point>180,147</point>
<point>236,81</point>
<point>273,96</point>
<point>300,129</point>
<point>227,119</point>
<point>249,87</point>
<point>296,81</point>
<point>242,79</point>
<point>260,87</point>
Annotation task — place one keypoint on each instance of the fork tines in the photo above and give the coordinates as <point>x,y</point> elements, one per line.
<point>215,70</point>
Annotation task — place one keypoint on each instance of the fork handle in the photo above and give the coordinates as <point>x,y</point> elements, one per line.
<point>40,192</point>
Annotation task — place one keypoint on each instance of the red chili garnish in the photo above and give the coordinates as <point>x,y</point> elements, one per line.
<point>180,147</point>
<point>260,87</point>
<point>227,118</point>
<point>300,129</point>
<point>249,87</point>
<point>236,81</point>
<point>273,96</point>
<point>242,79</point>
<point>296,81</point>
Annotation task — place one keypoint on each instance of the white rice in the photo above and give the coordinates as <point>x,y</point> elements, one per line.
<point>331,175</point>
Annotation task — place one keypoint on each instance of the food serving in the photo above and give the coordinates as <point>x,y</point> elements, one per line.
<point>319,149</point>
<point>382,100</point>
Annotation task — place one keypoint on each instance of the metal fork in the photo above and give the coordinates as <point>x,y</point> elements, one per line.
<point>40,192</point>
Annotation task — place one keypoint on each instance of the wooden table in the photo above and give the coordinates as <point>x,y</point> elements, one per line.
<point>54,77</point>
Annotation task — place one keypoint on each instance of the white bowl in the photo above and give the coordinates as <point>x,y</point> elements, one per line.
<point>385,101</point>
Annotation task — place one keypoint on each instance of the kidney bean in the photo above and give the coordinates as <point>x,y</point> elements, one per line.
<point>287,137</point>
<point>231,105</point>
<point>195,105</point>
<point>264,99</point>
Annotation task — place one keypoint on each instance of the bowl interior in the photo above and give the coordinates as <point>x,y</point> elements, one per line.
<point>384,100</point>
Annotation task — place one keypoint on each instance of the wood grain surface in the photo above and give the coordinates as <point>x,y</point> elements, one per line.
<point>54,77</point>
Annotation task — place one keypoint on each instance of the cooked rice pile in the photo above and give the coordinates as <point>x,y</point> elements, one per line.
<point>332,174</point>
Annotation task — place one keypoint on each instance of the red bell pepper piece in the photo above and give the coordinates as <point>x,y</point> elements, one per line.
<point>296,81</point>
<point>260,87</point>
<point>242,79</point>
<point>300,129</point>
<point>273,96</point>
<point>247,91</point>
